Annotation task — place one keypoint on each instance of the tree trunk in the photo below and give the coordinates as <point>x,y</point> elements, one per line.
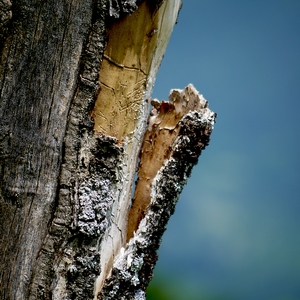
<point>75,84</point>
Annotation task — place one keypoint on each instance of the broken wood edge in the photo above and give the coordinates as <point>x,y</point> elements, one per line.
<point>163,128</point>
<point>132,269</point>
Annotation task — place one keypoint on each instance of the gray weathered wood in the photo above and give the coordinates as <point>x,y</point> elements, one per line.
<point>40,63</point>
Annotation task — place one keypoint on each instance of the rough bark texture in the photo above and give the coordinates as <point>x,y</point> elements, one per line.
<point>75,87</point>
<point>40,62</point>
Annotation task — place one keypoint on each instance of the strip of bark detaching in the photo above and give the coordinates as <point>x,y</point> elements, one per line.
<point>165,131</point>
<point>177,133</point>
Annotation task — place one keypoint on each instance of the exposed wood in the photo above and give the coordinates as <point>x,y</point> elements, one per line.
<point>75,91</point>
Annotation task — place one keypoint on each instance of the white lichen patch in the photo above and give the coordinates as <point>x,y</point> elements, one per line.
<point>93,211</point>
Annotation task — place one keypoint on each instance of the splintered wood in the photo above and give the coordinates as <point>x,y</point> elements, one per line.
<point>177,133</point>
<point>163,129</point>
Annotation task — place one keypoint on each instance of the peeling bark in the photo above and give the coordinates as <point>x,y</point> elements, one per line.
<point>75,85</point>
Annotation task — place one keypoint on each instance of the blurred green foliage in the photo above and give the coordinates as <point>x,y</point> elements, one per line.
<point>166,288</point>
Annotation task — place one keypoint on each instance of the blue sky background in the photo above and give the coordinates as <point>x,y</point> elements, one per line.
<point>236,230</point>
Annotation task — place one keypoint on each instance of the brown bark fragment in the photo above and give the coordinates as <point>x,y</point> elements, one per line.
<point>163,129</point>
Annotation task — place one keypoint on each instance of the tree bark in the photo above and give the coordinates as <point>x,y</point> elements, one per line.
<point>75,86</point>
